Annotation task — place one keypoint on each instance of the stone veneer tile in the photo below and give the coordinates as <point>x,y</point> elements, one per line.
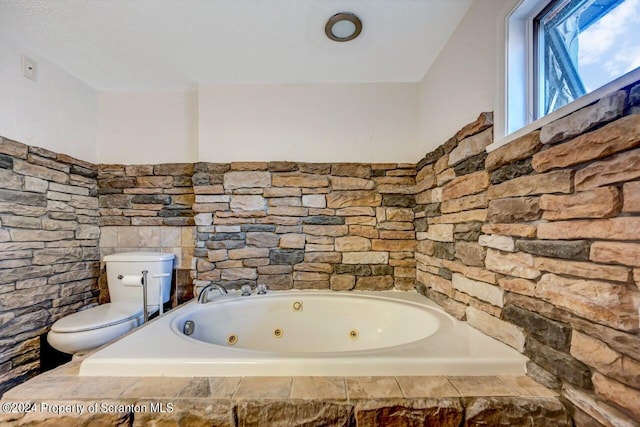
<point>372,387</point>
<point>481,386</point>
<point>44,387</point>
<point>318,388</point>
<point>264,388</point>
<point>155,387</point>
<point>525,386</point>
<point>431,386</point>
<point>104,387</point>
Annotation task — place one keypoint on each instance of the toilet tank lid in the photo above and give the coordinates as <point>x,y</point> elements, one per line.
<point>139,256</point>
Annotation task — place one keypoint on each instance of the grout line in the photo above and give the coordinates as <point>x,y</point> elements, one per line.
<point>404,395</point>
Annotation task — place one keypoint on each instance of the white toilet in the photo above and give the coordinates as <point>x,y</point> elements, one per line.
<point>88,329</point>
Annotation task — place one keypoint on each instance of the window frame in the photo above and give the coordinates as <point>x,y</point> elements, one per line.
<point>517,94</point>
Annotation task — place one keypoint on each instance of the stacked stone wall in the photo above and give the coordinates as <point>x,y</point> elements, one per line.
<point>49,257</point>
<point>538,245</point>
<point>148,208</point>
<point>290,225</point>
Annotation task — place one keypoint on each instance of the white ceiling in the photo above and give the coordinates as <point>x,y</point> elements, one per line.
<point>179,44</point>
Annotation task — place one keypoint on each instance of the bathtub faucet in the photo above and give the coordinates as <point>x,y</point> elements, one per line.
<point>204,293</point>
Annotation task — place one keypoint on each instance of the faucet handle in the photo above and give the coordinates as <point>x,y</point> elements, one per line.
<point>245,290</point>
<point>262,289</point>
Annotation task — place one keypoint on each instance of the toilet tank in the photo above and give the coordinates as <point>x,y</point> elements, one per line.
<point>160,268</point>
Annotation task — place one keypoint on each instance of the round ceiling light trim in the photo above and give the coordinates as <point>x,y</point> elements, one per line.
<point>343,26</point>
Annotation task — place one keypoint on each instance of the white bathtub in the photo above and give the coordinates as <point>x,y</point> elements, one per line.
<point>311,333</point>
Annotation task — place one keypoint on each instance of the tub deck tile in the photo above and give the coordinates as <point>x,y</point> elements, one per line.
<point>372,387</point>
<point>107,387</point>
<point>264,388</point>
<point>319,388</point>
<point>155,387</point>
<point>526,386</point>
<point>481,386</point>
<point>223,387</point>
<point>432,386</point>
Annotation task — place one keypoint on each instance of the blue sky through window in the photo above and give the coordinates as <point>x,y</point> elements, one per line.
<point>610,48</point>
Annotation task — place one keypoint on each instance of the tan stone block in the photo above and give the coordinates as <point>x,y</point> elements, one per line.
<point>326,230</point>
<point>518,149</point>
<point>364,231</point>
<point>428,260</point>
<point>352,244</point>
<point>424,197</point>
<point>519,230</point>
<point>358,170</point>
<point>440,232</point>
<point>496,241</point>
<point>466,185</point>
<point>281,192</point>
<point>616,253</point>
<point>598,355</point>
<point>13,148</point>
<point>606,303</point>
<point>155,181</point>
<point>360,220</point>
<point>239,274</point>
<point>445,176</point>
<point>276,281</point>
<point>288,211</point>
<point>246,179</point>
<point>552,182</point>
<point>483,291</point>
<point>395,226</point>
<point>315,267</point>
<point>618,136</point>
<point>518,286</point>
<point>427,183</point>
<point>631,192</point>
<point>314,201</point>
<point>396,189</point>
<point>476,273</point>
<point>292,241</point>
<point>208,189</point>
<point>374,283</point>
<point>312,247</point>
<point>433,281</point>
<point>514,264</point>
<point>299,180</point>
<point>618,394</point>
<point>623,228</point>
<point>341,199</point>
<point>441,164</point>
<point>499,329</point>
<point>454,218</point>
<point>349,183</point>
<point>247,203</point>
<point>399,214</point>
<point>619,168</point>
<point>394,245</point>
<point>320,240</point>
<point>356,211</point>
<point>213,275</point>
<point>471,146</point>
<point>404,272</point>
<point>305,275</point>
<point>597,203</point>
<point>583,269</point>
<point>275,269</point>
<point>342,282</point>
<point>464,203</point>
<point>365,257</point>
<point>249,166</point>
<point>426,172</point>
<point>138,170</point>
<point>397,235</point>
<point>248,253</point>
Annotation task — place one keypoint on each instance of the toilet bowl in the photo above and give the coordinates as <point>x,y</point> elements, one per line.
<point>85,330</point>
<point>89,329</point>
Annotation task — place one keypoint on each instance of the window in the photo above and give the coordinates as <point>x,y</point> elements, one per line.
<point>561,50</point>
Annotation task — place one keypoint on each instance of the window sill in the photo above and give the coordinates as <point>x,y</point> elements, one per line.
<point>590,98</point>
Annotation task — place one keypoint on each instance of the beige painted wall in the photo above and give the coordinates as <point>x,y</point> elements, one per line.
<point>57,112</point>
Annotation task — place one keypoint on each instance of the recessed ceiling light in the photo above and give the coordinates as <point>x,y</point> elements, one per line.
<point>343,26</point>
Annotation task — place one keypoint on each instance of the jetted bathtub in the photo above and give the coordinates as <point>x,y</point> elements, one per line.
<point>321,333</point>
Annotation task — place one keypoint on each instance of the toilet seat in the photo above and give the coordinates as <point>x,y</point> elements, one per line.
<point>102,316</point>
